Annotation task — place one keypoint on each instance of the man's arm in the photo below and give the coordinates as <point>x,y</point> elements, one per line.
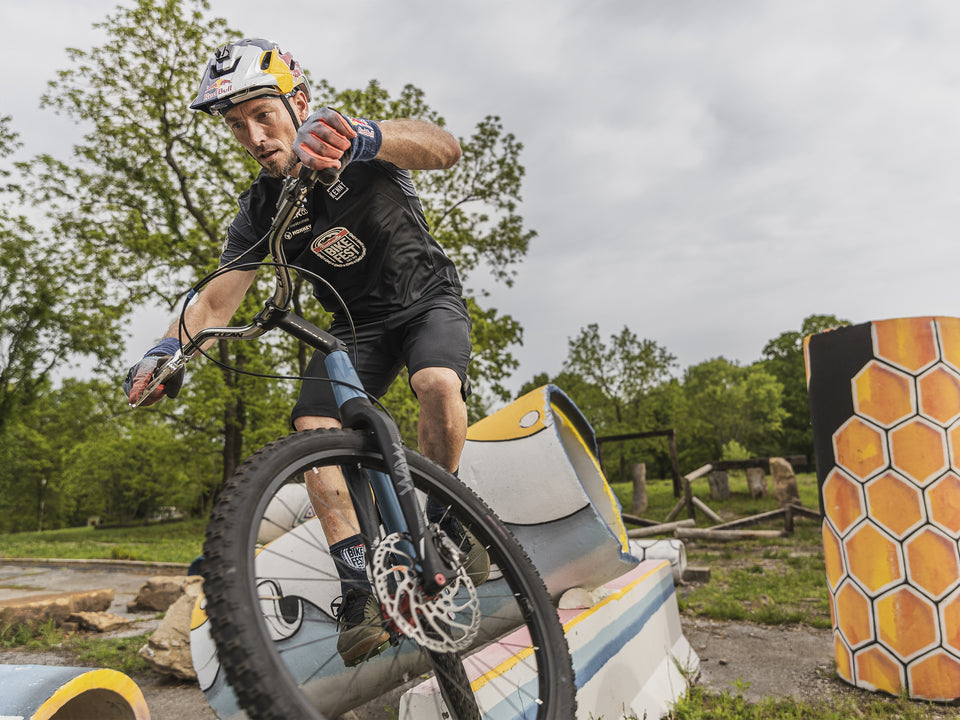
<point>213,307</point>
<point>215,304</point>
<point>417,145</point>
<point>409,144</point>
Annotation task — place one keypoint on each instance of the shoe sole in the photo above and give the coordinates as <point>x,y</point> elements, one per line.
<point>364,651</point>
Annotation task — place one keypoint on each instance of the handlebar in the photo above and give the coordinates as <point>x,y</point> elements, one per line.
<point>291,196</point>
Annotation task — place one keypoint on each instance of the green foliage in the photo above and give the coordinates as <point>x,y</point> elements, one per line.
<point>783,358</point>
<point>732,450</point>
<point>725,401</point>
<point>612,384</point>
<point>47,322</point>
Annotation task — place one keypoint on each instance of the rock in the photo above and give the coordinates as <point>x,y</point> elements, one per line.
<point>757,482</point>
<point>785,487</point>
<point>160,592</point>
<point>168,649</point>
<point>99,621</point>
<point>36,609</point>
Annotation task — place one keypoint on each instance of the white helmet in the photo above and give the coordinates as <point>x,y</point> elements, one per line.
<point>247,69</point>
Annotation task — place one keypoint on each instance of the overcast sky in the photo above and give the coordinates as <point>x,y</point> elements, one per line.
<point>707,173</point>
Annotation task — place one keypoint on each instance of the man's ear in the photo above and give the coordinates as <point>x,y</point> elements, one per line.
<point>302,105</point>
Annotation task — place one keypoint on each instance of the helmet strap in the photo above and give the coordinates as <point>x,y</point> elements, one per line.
<point>293,114</point>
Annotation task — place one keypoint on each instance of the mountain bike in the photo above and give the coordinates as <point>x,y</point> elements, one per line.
<point>455,648</point>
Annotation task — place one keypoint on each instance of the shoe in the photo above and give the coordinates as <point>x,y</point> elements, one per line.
<point>477,561</point>
<point>362,634</point>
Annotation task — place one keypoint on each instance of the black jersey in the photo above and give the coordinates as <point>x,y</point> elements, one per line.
<point>366,235</point>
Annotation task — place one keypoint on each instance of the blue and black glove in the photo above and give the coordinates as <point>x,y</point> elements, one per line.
<point>138,377</point>
<point>329,140</point>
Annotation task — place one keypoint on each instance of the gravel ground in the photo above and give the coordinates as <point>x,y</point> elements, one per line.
<point>756,660</point>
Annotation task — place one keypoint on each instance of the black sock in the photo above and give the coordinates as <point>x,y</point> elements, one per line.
<point>435,509</point>
<point>351,562</point>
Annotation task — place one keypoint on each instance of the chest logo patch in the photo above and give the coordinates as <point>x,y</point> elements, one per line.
<point>339,247</point>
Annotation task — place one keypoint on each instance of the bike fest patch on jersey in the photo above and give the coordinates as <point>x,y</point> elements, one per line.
<point>339,247</point>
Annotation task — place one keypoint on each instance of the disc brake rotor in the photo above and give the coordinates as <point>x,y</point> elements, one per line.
<point>446,622</point>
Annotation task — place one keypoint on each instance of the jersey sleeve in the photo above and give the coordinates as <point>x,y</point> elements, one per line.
<point>244,244</point>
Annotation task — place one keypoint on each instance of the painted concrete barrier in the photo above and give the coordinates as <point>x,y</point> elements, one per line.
<point>885,404</point>
<point>69,693</point>
<point>535,463</point>
<point>629,653</point>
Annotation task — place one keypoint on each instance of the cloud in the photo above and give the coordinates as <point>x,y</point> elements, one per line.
<point>705,173</point>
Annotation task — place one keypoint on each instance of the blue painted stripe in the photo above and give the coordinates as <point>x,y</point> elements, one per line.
<point>589,660</point>
<point>606,644</point>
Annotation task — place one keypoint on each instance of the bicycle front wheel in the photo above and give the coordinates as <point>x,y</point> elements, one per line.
<point>494,649</point>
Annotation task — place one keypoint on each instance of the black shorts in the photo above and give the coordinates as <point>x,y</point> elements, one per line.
<point>432,333</point>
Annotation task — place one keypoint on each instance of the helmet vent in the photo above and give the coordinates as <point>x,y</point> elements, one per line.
<point>266,60</point>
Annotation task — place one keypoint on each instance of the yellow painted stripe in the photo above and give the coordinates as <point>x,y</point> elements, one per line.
<point>102,679</point>
<point>505,424</point>
<point>621,529</point>
<point>522,655</point>
<point>580,617</point>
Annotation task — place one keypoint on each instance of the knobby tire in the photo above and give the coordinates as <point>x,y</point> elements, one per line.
<point>276,639</point>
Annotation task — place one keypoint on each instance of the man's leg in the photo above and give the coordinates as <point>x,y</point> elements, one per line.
<point>361,628</point>
<point>328,490</point>
<point>441,432</point>
<point>442,429</point>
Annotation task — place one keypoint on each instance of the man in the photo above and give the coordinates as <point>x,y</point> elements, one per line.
<point>366,235</point>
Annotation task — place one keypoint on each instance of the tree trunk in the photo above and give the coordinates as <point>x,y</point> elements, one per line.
<point>638,473</point>
<point>233,416</point>
<point>719,485</point>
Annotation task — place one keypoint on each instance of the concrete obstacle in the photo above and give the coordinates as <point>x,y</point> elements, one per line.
<point>628,650</point>
<point>69,693</point>
<point>535,463</point>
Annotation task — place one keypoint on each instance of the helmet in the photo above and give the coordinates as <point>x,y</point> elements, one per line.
<point>247,69</point>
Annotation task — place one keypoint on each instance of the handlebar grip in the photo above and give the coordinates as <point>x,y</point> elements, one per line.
<point>327,176</point>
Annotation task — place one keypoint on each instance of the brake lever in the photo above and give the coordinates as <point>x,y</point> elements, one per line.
<point>176,363</point>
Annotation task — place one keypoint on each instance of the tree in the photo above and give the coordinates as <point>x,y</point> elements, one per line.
<point>53,304</point>
<point>783,358</point>
<point>154,185</point>
<point>612,383</point>
<point>726,402</point>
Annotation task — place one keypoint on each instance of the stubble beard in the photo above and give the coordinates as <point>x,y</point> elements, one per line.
<point>284,166</point>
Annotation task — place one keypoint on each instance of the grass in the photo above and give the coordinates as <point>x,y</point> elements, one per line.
<point>772,581</point>
<point>177,542</point>
<point>87,650</point>
<point>698,704</point>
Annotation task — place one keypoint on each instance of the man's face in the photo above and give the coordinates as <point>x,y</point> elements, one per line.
<point>264,127</point>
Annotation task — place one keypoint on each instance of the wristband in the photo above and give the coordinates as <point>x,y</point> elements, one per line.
<point>366,144</point>
<point>167,346</point>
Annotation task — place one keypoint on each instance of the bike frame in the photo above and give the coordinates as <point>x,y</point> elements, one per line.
<point>396,502</point>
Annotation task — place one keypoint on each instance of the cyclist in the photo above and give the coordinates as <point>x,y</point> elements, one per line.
<point>366,234</point>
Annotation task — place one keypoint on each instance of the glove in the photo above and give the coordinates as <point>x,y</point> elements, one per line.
<point>138,377</point>
<point>327,139</point>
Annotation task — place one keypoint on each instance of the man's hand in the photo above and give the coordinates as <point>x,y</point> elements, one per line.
<point>140,375</point>
<point>329,140</point>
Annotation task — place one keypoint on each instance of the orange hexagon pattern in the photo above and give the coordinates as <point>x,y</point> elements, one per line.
<point>892,514</point>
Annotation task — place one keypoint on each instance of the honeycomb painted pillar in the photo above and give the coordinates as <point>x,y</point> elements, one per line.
<point>885,405</point>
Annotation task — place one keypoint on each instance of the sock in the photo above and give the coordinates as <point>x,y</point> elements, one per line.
<point>435,509</point>
<point>351,562</point>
